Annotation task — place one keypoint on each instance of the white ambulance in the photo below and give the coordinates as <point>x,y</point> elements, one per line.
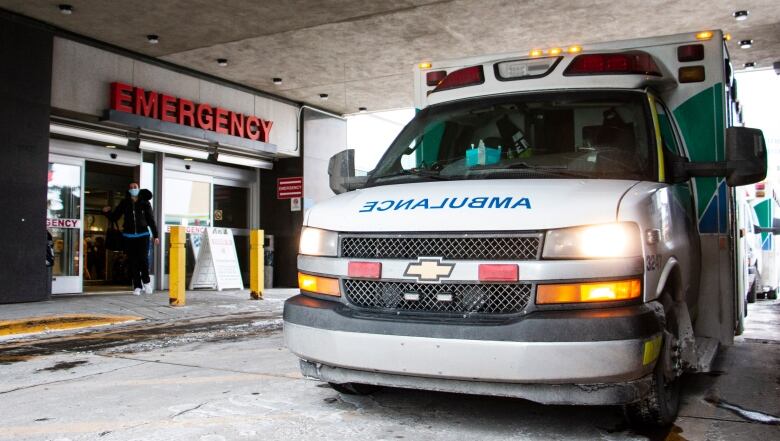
<point>766,206</point>
<point>555,225</point>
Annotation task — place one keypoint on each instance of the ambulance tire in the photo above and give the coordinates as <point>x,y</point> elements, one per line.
<point>354,388</point>
<point>659,407</point>
<point>771,294</point>
<point>751,297</point>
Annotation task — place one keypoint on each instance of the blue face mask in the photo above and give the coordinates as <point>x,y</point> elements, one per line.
<point>134,192</point>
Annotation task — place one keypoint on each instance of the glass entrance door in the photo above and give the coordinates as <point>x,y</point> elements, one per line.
<point>231,210</point>
<point>64,220</point>
<point>187,201</point>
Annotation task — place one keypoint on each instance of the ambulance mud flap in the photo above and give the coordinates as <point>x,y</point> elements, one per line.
<point>564,394</point>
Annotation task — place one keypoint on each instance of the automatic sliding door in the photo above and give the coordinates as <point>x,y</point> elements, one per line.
<point>187,201</point>
<point>64,221</point>
<point>231,210</point>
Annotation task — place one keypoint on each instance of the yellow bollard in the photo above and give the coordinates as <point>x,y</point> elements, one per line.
<point>256,263</point>
<point>177,273</point>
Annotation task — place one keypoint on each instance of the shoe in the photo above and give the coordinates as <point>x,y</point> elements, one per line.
<point>137,292</point>
<point>148,288</point>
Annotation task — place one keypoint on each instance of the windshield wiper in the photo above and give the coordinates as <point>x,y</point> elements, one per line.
<point>521,167</point>
<point>432,174</point>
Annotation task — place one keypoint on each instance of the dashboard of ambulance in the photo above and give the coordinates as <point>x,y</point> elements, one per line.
<point>569,134</point>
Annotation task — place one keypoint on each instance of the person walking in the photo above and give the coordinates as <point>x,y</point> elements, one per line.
<point>139,227</point>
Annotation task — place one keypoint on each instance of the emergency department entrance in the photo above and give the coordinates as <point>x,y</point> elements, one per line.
<point>198,195</point>
<point>83,178</point>
<point>198,145</point>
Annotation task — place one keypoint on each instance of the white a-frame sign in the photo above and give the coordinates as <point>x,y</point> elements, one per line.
<point>217,264</point>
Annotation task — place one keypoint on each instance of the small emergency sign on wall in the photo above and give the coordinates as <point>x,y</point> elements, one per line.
<point>288,188</point>
<point>63,223</point>
<point>295,204</point>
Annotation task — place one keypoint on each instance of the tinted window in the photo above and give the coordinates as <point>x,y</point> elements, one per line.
<point>573,134</point>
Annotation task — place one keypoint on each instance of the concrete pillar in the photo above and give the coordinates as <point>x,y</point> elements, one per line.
<point>25,104</point>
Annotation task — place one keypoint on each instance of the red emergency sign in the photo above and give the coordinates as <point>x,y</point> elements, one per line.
<point>63,223</point>
<point>135,100</point>
<point>288,188</point>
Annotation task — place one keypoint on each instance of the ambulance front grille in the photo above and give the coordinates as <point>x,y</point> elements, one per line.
<point>454,298</point>
<point>496,246</point>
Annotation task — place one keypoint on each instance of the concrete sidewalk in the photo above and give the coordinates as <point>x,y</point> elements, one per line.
<point>154,307</point>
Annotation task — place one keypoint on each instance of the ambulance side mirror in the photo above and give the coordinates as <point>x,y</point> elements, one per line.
<point>341,170</point>
<point>745,156</point>
<point>774,229</point>
<point>745,160</point>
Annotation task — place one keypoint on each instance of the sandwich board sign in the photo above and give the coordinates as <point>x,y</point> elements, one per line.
<point>217,263</point>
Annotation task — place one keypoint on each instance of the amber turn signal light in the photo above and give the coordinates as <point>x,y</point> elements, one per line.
<point>319,285</point>
<point>589,292</point>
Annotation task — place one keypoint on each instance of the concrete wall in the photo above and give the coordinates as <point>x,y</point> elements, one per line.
<point>82,74</point>
<point>25,82</point>
<point>277,220</point>
<point>323,135</point>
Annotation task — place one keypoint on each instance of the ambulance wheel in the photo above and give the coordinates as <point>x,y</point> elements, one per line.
<point>751,297</point>
<point>354,388</point>
<point>659,406</point>
<point>771,294</point>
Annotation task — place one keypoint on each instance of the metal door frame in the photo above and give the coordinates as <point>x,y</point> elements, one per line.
<point>72,284</point>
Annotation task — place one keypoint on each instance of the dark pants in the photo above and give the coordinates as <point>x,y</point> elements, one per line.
<point>138,259</point>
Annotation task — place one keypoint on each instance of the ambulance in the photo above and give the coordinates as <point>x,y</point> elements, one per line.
<point>767,224</point>
<point>555,225</point>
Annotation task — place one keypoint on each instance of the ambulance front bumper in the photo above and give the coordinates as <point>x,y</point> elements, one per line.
<point>562,349</point>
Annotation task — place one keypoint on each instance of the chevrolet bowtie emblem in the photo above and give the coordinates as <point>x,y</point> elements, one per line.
<point>429,269</point>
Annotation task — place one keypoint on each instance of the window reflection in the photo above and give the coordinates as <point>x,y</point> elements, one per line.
<point>64,202</point>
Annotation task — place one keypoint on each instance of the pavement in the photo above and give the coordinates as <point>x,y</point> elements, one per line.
<point>200,303</point>
<point>220,372</point>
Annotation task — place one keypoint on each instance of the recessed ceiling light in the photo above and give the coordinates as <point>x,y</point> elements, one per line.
<point>110,146</point>
<point>222,62</point>
<point>153,39</point>
<point>362,109</point>
<point>188,159</point>
<point>277,81</point>
<point>746,44</point>
<point>65,9</point>
<point>741,15</point>
<point>750,65</point>
<point>324,96</point>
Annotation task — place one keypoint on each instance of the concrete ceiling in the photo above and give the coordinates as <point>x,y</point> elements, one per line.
<point>361,53</point>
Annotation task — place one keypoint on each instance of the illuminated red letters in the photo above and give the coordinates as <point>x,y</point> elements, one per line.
<point>151,104</point>
<point>205,120</point>
<point>186,113</point>
<point>121,97</point>
<point>237,124</point>
<point>145,104</point>
<point>220,120</point>
<point>167,108</point>
<point>253,128</point>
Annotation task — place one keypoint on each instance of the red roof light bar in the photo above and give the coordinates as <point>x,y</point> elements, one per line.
<point>623,63</point>
<point>468,76</point>
<point>434,77</point>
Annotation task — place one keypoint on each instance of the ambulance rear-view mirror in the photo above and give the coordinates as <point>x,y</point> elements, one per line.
<point>341,170</point>
<point>745,160</point>
<point>745,156</point>
<point>774,229</point>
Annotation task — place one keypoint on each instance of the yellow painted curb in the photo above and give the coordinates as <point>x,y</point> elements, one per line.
<point>32,325</point>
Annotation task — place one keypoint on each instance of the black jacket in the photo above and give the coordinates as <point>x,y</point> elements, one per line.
<point>138,215</point>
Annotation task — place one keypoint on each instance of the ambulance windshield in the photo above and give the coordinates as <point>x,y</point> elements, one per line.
<point>593,134</point>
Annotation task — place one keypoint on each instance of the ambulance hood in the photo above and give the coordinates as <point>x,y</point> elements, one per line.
<point>472,205</point>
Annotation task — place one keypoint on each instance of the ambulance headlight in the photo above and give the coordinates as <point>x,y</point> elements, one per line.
<point>316,242</point>
<point>593,241</point>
